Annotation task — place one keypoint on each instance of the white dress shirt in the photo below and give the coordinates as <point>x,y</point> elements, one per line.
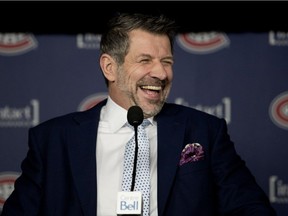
<point>111,140</point>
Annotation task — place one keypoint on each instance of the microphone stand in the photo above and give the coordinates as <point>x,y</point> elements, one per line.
<point>135,158</point>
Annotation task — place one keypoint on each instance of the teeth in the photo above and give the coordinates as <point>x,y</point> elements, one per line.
<point>155,88</point>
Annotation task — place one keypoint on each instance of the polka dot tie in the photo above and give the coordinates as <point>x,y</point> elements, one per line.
<point>142,180</point>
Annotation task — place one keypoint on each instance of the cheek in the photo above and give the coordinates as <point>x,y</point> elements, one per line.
<point>121,79</point>
<point>170,74</point>
<point>134,76</point>
<point>125,81</point>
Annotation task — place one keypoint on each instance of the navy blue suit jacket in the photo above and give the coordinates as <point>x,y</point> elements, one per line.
<point>59,173</point>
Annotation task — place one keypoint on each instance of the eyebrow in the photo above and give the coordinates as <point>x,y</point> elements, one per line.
<point>149,56</point>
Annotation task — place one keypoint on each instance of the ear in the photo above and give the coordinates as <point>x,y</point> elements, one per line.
<point>108,66</point>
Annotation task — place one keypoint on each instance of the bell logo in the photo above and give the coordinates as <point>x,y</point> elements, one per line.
<point>129,202</point>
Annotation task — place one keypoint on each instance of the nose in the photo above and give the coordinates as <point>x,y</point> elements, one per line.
<point>159,71</point>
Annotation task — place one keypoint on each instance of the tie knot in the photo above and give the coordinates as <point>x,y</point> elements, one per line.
<point>145,123</point>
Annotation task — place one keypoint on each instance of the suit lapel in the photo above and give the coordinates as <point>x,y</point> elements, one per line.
<point>82,149</point>
<point>169,149</point>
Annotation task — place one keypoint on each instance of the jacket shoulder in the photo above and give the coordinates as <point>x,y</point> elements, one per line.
<point>185,111</point>
<point>73,118</point>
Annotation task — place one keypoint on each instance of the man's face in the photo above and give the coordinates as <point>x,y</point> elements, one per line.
<point>145,78</point>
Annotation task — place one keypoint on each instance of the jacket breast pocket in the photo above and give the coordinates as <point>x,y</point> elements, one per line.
<point>191,167</point>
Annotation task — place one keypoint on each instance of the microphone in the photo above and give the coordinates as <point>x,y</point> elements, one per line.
<point>130,203</point>
<point>135,117</point>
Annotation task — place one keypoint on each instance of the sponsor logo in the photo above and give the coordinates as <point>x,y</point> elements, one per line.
<point>16,43</point>
<point>203,42</point>
<point>278,110</point>
<point>88,41</point>
<point>25,116</point>
<point>278,38</point>
<point>278,190</point>
<point>7,180</point>
<point>129,203</point>
<point>222,109</point>
<point>91,101</point>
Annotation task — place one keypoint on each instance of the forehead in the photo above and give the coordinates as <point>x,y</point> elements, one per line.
<point>140,39</point>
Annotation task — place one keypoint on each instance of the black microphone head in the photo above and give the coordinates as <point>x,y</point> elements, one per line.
<point>135,115</point>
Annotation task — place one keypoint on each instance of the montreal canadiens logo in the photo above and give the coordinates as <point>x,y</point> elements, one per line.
<point>202,42</point>
<point>16,43</point>
<point>91,101</point>
<point>7,180</point>
<point>279,110</point>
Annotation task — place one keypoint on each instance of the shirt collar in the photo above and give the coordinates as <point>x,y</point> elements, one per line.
<point>116,116</point>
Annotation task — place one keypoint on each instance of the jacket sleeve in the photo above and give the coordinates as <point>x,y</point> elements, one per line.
<point>25,198</point>
<point>237,190</point>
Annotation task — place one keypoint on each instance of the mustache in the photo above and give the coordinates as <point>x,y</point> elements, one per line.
<point>152,81</point>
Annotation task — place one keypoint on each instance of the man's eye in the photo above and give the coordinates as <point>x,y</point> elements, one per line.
<point>144,60</point>
<point>168,62</point>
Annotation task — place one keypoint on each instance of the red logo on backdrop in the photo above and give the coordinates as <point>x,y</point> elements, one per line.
<point>16,43</point>
<point>7,180</point>
<point>279,110</point>
<point>202,43</point>
<point>91,101</point>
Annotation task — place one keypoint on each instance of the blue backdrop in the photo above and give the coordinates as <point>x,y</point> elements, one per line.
<point>242,77</point>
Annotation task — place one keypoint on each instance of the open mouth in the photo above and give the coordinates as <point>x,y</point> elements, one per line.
<point>151,88</point>
<point>152,91</point>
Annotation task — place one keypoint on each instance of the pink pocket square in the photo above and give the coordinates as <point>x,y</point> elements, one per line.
<point>192,152</point>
